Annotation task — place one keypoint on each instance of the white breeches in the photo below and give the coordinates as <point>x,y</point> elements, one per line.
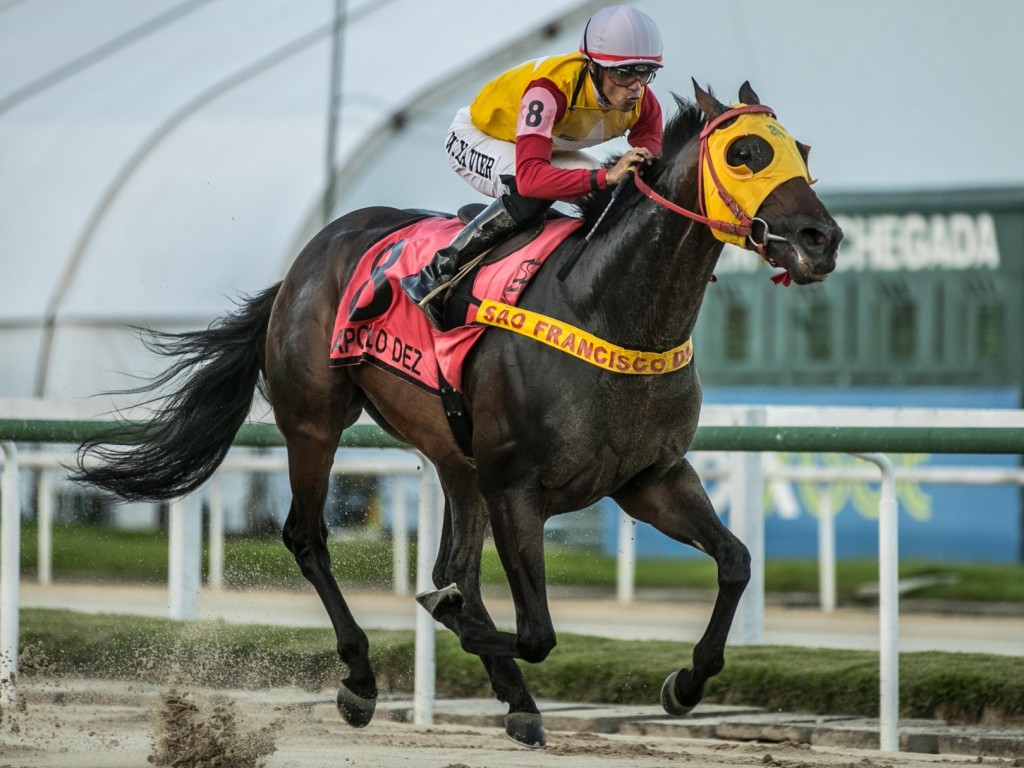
<point>482,160</point>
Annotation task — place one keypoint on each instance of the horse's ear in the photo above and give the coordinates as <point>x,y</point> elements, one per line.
<point>711,106</point>
<point>747,95</point>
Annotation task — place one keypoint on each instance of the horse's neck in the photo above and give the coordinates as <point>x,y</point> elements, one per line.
<point>648,281</point>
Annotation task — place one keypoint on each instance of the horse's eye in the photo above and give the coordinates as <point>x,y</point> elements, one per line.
<point>739,153</point>
<point>750,151</point>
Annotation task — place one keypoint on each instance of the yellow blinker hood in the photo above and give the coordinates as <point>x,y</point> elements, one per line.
<point>748,189</point>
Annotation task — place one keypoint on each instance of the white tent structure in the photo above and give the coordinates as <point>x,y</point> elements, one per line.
<point>159,158</point>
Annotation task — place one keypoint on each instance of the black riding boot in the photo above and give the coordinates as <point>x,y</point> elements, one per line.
<point>492,225</point>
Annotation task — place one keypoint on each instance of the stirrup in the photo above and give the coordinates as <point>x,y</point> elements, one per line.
<point>449,284</point>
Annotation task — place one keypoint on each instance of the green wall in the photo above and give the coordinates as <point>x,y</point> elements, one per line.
<point>929,291</point>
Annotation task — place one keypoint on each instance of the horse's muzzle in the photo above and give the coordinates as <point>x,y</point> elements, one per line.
<point>810,253</point>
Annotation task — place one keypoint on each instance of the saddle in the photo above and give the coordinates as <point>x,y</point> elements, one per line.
<point>458,302</point>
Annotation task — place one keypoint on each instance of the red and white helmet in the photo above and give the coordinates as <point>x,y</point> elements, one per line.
<point>620,36</point>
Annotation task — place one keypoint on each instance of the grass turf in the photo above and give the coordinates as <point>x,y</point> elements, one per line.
<point>81,551</point>
<point>962,688</point>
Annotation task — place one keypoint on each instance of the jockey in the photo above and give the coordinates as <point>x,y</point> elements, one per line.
<point>520,139</point>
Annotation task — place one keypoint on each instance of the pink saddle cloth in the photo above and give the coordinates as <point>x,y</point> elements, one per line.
<point>378,324</point>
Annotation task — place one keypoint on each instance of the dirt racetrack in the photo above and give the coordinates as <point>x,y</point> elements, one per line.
<point>102,724</point>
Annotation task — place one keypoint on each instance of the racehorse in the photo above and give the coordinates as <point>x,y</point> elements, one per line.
<point>551,433</point>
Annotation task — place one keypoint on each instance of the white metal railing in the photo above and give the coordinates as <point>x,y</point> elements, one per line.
<point>393,464</point>
<point>386,463</point>
<point>748,474</point>
<point>773,471</point>
<point>185,548</point>
<point>10,567</point>
<point>888,606</point>
<point>755,470</point>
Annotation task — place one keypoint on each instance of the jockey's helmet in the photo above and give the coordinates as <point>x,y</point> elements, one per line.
<point>620,36</point>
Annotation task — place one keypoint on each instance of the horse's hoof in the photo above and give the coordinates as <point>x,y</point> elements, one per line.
<point>669,702</point>
<point>440,600</point>
<point>357,711</point>
<point>525,729</point>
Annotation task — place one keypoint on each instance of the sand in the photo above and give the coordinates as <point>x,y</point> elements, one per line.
<point>75,723</point>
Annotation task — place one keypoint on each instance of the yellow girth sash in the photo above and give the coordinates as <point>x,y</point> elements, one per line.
<point>580,344</point>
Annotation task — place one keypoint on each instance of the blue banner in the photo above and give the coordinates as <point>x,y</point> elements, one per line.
<point>937,521</point>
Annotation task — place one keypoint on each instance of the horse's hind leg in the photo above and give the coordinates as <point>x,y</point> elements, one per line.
<point>313,404</point>
<point>674,502</point>
<point>312,418</point>
<point>463,612</point>
<point>305,534</point>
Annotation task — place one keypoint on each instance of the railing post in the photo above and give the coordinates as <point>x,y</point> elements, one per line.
<point>746,521</point>
<point>888,606</point>
<point>10,573</point>
<point>185,539</point>
<point>215,579</point>
<point>44,524</point>
<point>400,535</point>
<point>826,551</point>
<point>424,673</point>
<point>625,581</point>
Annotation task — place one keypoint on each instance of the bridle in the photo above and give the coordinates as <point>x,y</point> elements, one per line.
<point>744,226</point>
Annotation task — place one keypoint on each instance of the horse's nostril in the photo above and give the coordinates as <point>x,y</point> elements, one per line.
<point>813,237</point>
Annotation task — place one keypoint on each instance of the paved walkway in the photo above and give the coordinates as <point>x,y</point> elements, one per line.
<point>711,721</point>
<point>849,628</point>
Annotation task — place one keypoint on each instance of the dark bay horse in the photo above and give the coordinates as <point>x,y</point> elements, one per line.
<point>552,434</point>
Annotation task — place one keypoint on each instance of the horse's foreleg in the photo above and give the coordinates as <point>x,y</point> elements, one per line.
<point>674,502</point>
<point>534,638</point>
<point>524,568</point>
<point>518,530</point>
<point>462,610</point>
<point>305,535</point>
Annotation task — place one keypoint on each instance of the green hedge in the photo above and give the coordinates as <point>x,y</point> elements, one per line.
<point>964,688</point>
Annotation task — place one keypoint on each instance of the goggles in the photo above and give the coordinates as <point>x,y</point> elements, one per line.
<point>628,75</point>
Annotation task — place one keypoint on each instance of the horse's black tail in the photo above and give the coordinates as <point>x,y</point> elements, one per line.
<point>198,404</point>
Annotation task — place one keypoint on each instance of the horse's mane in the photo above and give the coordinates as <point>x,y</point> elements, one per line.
<point>679,131</point>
